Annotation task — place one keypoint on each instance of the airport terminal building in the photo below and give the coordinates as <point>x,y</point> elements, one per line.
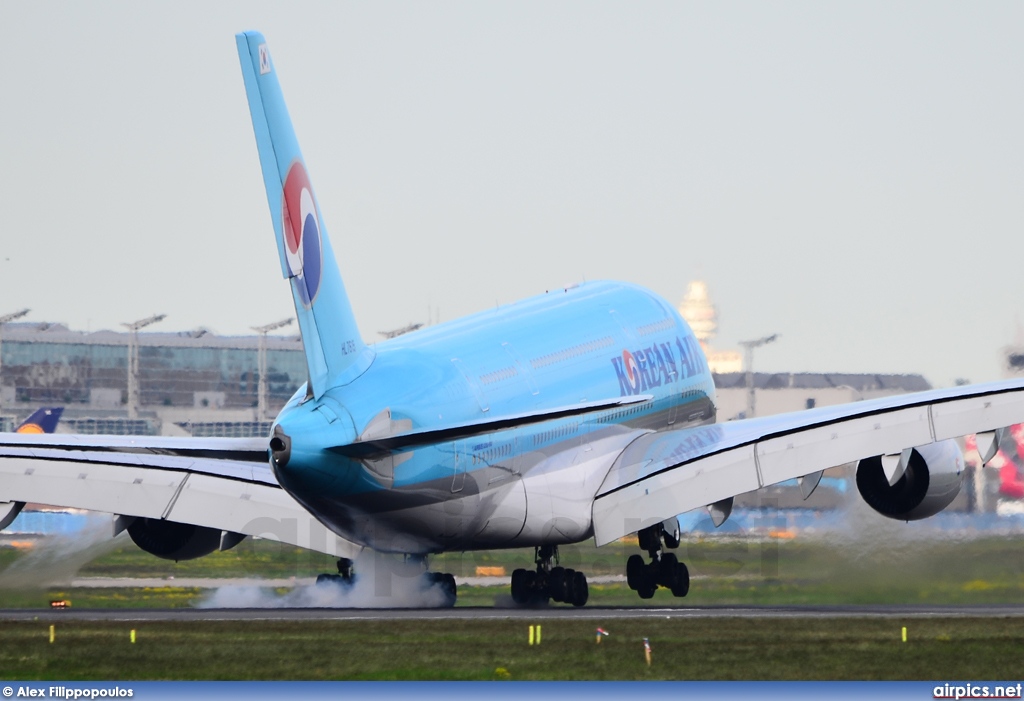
<point>190,382</point>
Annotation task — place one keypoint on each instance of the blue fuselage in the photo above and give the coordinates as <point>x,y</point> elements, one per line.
<point>527,485</point>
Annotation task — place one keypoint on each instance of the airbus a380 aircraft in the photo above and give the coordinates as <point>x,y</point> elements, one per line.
<point>587,412</point>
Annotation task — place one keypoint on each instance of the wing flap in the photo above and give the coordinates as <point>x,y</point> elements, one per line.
<point>806,451</point>
<point>199,481</point>
<point>671,492</point>
<point>661,475</point>
<point>116,489</point>
<point>226,458</point>
<point>974,414</point>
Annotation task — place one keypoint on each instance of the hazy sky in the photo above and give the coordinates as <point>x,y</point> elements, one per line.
<point>848,175</point>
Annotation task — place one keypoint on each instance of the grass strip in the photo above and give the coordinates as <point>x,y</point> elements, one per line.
<point>695,649</point>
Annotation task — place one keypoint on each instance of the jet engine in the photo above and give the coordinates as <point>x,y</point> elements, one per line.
<point>173,541</point>
<point>929,483</point>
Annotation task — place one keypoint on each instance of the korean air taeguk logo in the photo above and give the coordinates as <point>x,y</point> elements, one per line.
<point>302,243</point>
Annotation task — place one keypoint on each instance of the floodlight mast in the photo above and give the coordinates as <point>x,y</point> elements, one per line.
<point>133,360</point>
<point>261,361</point>
<point>748,360</point>
<point>3,320</point>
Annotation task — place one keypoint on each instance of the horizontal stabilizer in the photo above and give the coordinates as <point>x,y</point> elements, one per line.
<point>379,447</point>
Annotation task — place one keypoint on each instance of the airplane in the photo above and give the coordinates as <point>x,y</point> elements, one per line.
<point>587,412</point>
<point>42,420</point>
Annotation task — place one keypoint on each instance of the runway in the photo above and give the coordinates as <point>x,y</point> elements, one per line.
<point>532,614</point>
<point>279,583</point>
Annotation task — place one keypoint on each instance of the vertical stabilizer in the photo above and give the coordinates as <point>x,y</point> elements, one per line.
<point>335,352</point>
<point>42,420</point>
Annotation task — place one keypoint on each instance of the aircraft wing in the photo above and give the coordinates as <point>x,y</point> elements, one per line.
<point>661,475</point>
<point>219,483</point>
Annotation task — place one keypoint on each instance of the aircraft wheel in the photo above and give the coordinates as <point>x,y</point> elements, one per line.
<point>538,588</point>
<point>570,586</point>
<point>667,568</point>
<point>450,588</point>
<point>519,593</point>
<point>558,583</point>
<point>580,590</point>
<point>648,583</point>
<point>646,591</point>
<point>635,572</point>
<point>682,585</point>
<point>535,593</point>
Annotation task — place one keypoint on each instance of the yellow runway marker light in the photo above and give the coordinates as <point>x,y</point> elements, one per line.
<point>531,635</point>
<point>904,634</point>
<point>538,635</point>
<point>52,633</point>
<point>133,636</point>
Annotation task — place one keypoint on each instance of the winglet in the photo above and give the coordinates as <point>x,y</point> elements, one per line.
<point>335,352</point>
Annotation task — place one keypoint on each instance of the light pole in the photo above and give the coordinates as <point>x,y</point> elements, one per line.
<point>133,360</point>
<point>3,320</point>
<point>748,360</point>
<point>261,362</point>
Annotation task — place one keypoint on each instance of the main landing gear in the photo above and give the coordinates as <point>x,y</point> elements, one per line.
<point>346,574</point>
<point>447,583</point>
<point>557,583</point>
<point>443,580</point>
<point>664,569</point>
<point>346,577</point>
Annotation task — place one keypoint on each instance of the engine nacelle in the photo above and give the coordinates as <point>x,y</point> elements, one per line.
<point>929,484</point>
<point>173,541</point>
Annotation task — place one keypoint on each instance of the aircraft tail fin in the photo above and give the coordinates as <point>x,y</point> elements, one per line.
<point>42,420</point>
<point>335,352</point>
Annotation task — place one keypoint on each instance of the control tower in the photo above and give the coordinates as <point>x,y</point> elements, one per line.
<point>702,316</point>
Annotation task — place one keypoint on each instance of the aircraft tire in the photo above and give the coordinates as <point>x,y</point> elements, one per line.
<point>519,593</point>
<point>536,594</point>
<point>682,586</point>
<point>559,581</point>
<point>635,572</point>
<point>580,590</point>
<point>668,568</point>
<point>450,589</point>
<point>648,583</point>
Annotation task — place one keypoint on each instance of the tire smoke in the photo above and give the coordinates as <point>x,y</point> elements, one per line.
<point>55,560</point>
<point>380,582</point>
